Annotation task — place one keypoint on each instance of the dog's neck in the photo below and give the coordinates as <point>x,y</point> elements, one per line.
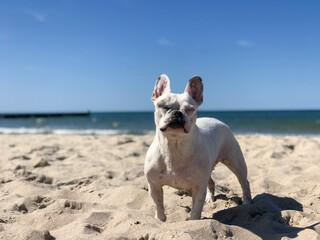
<point>177,146</point>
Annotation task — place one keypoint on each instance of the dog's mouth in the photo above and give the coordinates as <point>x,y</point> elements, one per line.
<point>175,127</point>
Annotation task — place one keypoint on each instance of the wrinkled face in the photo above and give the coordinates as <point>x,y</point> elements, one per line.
<point>175,113</point>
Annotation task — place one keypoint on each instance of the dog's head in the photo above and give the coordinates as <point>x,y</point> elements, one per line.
<point>176,113</point>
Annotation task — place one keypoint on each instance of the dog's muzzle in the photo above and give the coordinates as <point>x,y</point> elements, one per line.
<point>177,121</point>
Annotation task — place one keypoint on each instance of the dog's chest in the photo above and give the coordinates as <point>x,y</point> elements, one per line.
<point>177,174</point>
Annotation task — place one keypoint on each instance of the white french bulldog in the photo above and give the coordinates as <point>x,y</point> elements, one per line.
<point>185,149</point>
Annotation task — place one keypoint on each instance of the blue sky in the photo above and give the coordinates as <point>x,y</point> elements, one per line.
<point>77,55</point>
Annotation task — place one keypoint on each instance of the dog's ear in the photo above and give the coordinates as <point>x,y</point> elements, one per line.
<point>195,89</point>
<point>162,86</point>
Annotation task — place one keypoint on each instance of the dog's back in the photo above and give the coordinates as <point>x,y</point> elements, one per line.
<point>219,137</point>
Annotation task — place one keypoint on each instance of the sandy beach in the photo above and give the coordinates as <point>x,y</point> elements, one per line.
<point>93,187</point>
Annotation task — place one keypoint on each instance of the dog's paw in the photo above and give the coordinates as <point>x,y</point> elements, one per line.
<point>161,217</point>
<point>209,197</point>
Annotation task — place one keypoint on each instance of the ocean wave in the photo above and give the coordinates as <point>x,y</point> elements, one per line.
<point>64,131</point>
<point>23,130</point>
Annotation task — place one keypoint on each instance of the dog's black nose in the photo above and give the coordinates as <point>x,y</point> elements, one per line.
<point>177,120</point>
<point>178,114</point>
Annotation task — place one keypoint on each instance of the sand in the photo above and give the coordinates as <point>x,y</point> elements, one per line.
<point>93,187</point>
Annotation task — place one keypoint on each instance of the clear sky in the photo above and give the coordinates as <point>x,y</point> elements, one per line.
<point>75,55</point>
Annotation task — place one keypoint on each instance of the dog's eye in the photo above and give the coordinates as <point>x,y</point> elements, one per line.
<point>166,108</point>
<point>189,110</point>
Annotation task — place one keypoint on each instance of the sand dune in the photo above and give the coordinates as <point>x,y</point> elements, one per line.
<point>93,187</point>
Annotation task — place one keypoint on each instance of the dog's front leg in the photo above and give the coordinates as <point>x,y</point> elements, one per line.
<point>198,198</point>
<point>156,193</point>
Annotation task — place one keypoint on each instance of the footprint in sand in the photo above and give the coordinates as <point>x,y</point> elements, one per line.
<point>31,204</point>
<point>145,237</point>
<point>40,234</point>
<point>22,157</point>
<point>42,202</point>
<point>29,176</point>
<point>228,233</point>
<point>94,228</point>
<point>46,150</point>
<point>77,183</point>
<point>45,179</point>
<point>84,182</point>
<point>277,155</point>
<point>20,207</point>
<point>110,175</point>
<point>61,158</point>
<point>42,163</point>
<point>182,193</point>
<point>5,180</point>
<point>289,147</point>
<point>2,221</point>
<point>18,167</point>
<point>134,154</point>
<point>145,144</point>
<point>73,205</point>
<point>125,141</point>
<point>97,222</point>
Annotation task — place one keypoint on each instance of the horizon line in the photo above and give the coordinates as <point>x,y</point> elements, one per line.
<point>142,111</point>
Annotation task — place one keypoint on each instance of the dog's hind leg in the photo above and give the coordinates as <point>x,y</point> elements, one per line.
<point>210,193</point>
<point>211,186</point>
<point>237,165</point>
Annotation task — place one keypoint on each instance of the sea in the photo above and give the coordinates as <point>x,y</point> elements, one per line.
<point>106,123</point>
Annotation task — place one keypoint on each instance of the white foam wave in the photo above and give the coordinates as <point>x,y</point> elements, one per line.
<point>149,132</point>
<point>89,131</point>
<point>23,130</point>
